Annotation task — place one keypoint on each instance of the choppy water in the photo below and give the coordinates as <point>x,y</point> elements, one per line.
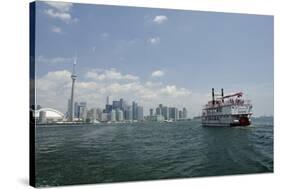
<point>144,151</point>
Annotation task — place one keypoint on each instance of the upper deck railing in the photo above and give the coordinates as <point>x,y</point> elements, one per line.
<point>230,102</point>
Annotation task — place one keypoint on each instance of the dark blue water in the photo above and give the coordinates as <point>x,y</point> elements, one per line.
<point>144,151</point>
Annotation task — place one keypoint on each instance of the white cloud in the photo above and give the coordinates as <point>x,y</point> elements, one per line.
<point>56,29</point>
<point>60,6</point>
<point>60,10</point>
<point>112,74</point>
<point>54,60</point>
<point>172,90</point>
<point>53,90</point>
<point>158,73</point>
<point>160,19</point>
<point>154,40</point>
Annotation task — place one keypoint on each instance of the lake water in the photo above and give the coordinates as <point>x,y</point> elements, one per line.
<point>144,151</point>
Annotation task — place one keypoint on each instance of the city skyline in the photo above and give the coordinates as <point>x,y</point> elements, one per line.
<point>123,105</point>
<point>164,56</point>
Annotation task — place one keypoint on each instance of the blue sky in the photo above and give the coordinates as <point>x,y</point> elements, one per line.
<point>152,56</point>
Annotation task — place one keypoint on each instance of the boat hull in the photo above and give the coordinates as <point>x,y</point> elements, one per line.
<point>242,122</point>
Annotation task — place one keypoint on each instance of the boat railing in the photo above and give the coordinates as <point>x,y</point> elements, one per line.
<point>228,102</point>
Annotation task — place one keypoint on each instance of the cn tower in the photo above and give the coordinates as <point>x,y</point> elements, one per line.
<point>73,77</point>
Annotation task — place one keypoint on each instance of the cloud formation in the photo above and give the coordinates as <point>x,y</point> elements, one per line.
<point>158,73</point>
<point>154,40</point>
<point>56,29</point>
<point>53,90</point>
<point>160,19</point>
<point>111,74</point>
<point>61,11</point>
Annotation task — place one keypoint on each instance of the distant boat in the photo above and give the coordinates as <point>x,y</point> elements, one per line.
<point>229,110</point>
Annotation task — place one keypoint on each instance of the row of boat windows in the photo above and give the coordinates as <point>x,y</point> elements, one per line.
<point>217,117</point>
<point>219,109</point>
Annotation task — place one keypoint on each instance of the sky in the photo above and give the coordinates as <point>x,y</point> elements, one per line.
<point>152,56</point>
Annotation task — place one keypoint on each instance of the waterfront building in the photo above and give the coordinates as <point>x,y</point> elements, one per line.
<point>140,113</point>
<point>165,112</point>
<point>99,114</point>
<point>91,115</point>
<point>108,108</point>
<point>158,118</point>
<point>158,111</point>
<point>113,115</point>
<point>116,105</point>
<point>122,104</point>
<point>80,110</point>
<point>151,112</point>
<point>180,114</point>
<point>184,113</point>
<point>48,115</point>
<point>107,100</point>
<point>42,117</point>
<point>173,112</point>
<point>119,115</point>
<point>134,111</point>
<point>104,117</point>
<point>130,113</point>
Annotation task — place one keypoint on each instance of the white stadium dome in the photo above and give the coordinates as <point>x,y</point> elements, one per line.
<point>50,113</point>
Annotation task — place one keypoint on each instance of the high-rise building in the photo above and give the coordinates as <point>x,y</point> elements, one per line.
<point>108,108</point>
<point>82,112</point>
<point>107,100</point>
<point>104,117</point>
<point>113,115</point>
<point>99,114</point>
<point>130,113</point>
<point>69,109</point>
<point>76,109</point>
<point>151,112</point>
<point>173,113</point>
<point>116,105</point>
<point>119,115</point>
<point>165,112</point>
<point>184,113</point>
<point>180,114</point>
<point>91,115</point>
<point>158,111</point>
<point>134,111</point>
<point>122,104</point>
<point>139,113</point>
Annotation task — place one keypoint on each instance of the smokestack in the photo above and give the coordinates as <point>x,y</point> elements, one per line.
<point>213,96</point>
<point>222,95</point>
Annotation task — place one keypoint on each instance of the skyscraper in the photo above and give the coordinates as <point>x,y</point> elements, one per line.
<point>73,77</point>
<point>151,112</point>
<point>184,113</point>
<point>113,115</point>
<point>107,100</point>
<point>140,113</point>
<point>165,112</point>
<point>180,114</point>
<point>116,105</point>
<point>158,111</point>
<point>134,106</point>
<point>173,112</point>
